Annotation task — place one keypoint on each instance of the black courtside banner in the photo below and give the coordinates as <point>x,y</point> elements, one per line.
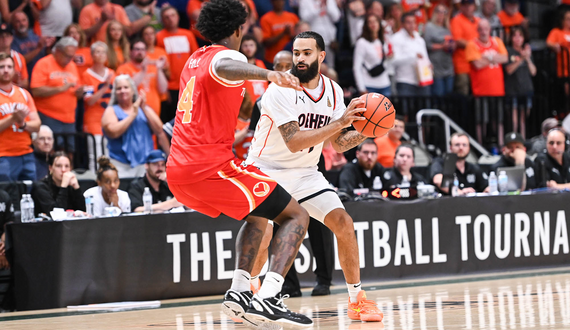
<point>165,256</point>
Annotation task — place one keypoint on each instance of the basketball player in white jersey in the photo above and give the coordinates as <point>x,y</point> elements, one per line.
<point>287,145</point>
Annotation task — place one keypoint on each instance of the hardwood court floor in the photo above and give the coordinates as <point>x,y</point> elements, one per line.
<point>515,300</point>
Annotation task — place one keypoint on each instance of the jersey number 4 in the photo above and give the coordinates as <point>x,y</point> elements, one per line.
<point>185,103</point>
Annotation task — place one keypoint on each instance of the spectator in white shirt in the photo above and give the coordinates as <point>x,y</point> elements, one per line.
<point>369,56</point>
<point>107,192</point>
<point>408,48</point>
<point>322,16</point>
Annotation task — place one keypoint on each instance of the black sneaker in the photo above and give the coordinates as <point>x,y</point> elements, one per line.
<point>273,310</point>
<point>321,290</point>
<point>235,305</point>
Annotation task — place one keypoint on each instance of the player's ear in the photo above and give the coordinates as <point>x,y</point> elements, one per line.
<point>322,56</point>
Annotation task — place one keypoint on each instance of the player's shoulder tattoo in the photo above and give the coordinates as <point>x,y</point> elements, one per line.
<point>288,130</point>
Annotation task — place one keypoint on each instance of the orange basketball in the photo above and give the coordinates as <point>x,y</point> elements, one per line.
<point>380,115</point>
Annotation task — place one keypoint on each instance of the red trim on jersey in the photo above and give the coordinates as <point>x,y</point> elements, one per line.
<point>334,94</point>
<point>267,137</point>
<point>322,93</point>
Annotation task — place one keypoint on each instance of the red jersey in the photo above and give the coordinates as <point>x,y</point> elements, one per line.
<point>206,117</point>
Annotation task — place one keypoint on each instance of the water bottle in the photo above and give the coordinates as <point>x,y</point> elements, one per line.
<point>89,204</point>
<point>455,187</point>
<point>493,188</point>
<point>377,183</point>
<point>405,183</point>
<point>503,182</point>
<point>27,208</point>
<point>147,200</point>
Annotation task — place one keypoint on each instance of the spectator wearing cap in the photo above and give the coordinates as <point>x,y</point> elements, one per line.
<point>538,143</point>
<point>155,180</point>
<point>26,42</point>
<point>21,77</point>
<point>43,149</point>
<point>555,163</point>
<point>511,16</point>
<point>463,29</point>
<point>514,154</point>
<point>55,87</point>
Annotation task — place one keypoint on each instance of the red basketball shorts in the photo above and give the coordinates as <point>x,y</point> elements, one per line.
<point>234,190</point>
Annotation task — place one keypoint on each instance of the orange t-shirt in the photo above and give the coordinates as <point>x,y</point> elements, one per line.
<point>155,55</point>
<point>19,65</point>
<point>561,37</point>
<point>418,6</point>
<point>508,21</point>
<point>91,14</point>
<point>256,88</point>
<point>192,6</point>
<point>93,114</point>
<point>241,149</point>
<point>60,106</point>
<point>386,150</point>
<point>15,141</point>
<point>462,29</point>
<point>273,24</point>
<point>179,46</point>
<point>149,83</point>
<point>83,60</point>
<point>489,80</point>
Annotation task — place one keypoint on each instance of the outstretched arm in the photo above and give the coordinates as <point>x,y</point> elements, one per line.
<point>237,70</point>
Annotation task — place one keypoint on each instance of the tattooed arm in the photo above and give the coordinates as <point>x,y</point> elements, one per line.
<point>230,69</point>
<point>298,140</point>
<point>346,140</point>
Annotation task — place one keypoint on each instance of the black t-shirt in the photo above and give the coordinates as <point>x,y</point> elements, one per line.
<point>352,176</point>
<point>47,195</point>
<point>532,181</point>
<point>473,176</point>
<point>6,210</point>
<point>552,169</point>
<point>393,178</point>
<point>519,83</point>
<point>136,191</point>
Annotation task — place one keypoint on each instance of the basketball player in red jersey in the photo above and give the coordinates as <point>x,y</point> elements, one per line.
<point>204,175</point>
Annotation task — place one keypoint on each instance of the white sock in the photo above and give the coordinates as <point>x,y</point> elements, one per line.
<point>353,290</point>
<point>240,282</point>
<point>271,285</point>
<point>254,281</point>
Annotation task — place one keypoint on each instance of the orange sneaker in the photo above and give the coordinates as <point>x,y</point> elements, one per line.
<point>364,310</point>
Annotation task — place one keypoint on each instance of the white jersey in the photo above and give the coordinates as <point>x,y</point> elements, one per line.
<point>280,106</point>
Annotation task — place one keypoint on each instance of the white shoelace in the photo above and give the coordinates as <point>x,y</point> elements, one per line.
<point>281,302</point>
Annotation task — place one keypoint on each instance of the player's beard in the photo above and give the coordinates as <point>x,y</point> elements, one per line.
<point>309,74</point>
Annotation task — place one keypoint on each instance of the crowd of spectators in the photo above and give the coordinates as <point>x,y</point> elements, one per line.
<point>111,69</point>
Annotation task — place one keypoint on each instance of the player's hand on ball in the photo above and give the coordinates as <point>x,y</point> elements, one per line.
<point>353,113</point>
<point>284,79</point>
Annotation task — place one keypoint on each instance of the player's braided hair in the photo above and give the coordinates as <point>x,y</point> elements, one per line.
<point>220,18</point>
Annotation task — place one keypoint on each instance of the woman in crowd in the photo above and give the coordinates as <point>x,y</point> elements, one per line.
<point>118,44</point>
<point>519,71</point>
<point>107,192</point>
<point>440,45</point>
<point>98,81</point>
<point>370,52</point>
<point>394,17</point>
<point>82,58</point>
<point>59,188</point>
<point>129,123</point>
<point>153,52</point>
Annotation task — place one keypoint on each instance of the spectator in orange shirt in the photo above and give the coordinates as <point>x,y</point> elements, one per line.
<point>154,53</point>
<point>18,118</point>
<point>388,143</point>
<point>146,76</point>
<point>95,17</point>
<point>463,29</point>
<point>255,88</point>
<point>277,26</point>
<point>486,56</point>
<point>558,40</point>
<point>98,80</point>
<point>511,16</point>
<point>179,45</point>
<point>118,44</point>
<point>82,58</point>
<point>55,86</point>
<point>193,11</point>
<point>21,77</point>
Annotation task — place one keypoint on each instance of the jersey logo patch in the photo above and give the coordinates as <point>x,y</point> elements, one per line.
<point>302,98</point>
<point>261,189</point>
<point>329,102</point>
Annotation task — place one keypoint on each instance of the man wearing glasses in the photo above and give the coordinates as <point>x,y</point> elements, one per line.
<point>470,176</point>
